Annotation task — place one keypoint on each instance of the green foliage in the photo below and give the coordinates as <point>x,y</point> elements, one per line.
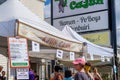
<point>105,76</point>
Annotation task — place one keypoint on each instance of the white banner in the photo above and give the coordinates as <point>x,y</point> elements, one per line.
<point>22,73</point>
<point>62,8</point>
<point>47,38</point>
<point>35,46</point>
<point>84,23</point>
<point>59,54</point>
<point>18,52</point>
<point>72,56</point>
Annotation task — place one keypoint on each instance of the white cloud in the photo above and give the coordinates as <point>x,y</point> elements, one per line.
<point>47,11</point>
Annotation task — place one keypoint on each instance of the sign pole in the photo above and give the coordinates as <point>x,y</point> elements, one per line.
<point>51,12</point>
<point>114,38</point>
<point>52,61</point>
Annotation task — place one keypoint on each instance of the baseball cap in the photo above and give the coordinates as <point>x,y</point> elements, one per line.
<point>79,61</point>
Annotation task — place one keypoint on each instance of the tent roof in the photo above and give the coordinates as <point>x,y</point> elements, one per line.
<point>18,11</point>
<point>14,9</point>
<point>92,48</point>
<point>9,12</point>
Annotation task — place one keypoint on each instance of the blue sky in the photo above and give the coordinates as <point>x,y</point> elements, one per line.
<point>47,8</point>
<point>47,2</point>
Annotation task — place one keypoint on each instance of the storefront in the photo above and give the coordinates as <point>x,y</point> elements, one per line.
<point>28,25</point>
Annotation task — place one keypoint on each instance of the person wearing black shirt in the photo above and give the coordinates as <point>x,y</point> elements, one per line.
<point>36,76</point>
<point>3,76</point>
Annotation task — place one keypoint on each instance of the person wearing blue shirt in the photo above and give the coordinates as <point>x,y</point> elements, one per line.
<point>31,75</point>
<point>68,75</point>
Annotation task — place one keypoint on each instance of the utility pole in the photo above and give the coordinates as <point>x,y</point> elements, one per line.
<point>112,24</point>
<point>52,61</point>
<point>51,12</point>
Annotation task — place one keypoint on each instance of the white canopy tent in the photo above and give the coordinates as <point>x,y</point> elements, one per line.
<point>13,10</point>
<point>18,11</point>
<point>92,49</point>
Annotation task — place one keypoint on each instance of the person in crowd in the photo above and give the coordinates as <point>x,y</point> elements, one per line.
<point>68,75</point>
<point>0,71</point>
<point>52,76</point>
<point>87,69</point>
<point>73,75</point>
<point>36,76</point>
<point>79,64</point>
<point>31,74</point>
<point>3,76</point>
<point>96,75</point>
<point>57,73</point>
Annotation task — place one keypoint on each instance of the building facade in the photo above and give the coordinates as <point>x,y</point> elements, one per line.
<point>36,6</point>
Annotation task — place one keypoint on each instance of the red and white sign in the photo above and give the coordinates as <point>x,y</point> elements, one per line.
<point>18,52</point>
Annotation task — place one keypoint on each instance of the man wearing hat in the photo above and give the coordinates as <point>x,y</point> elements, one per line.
<point>79,64</point>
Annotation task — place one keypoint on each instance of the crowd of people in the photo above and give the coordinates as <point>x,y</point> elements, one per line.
<point>83,72</point>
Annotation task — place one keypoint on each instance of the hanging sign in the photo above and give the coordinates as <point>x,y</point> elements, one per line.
<point>91,57</point>
<point>102,58</point>
<point>22,73</point>
<point>35,46</point>
<point>18,52</point>
<point>108,59</point>
<point>59,54</point>
<point>72,56</point>
<point>47,38</point>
